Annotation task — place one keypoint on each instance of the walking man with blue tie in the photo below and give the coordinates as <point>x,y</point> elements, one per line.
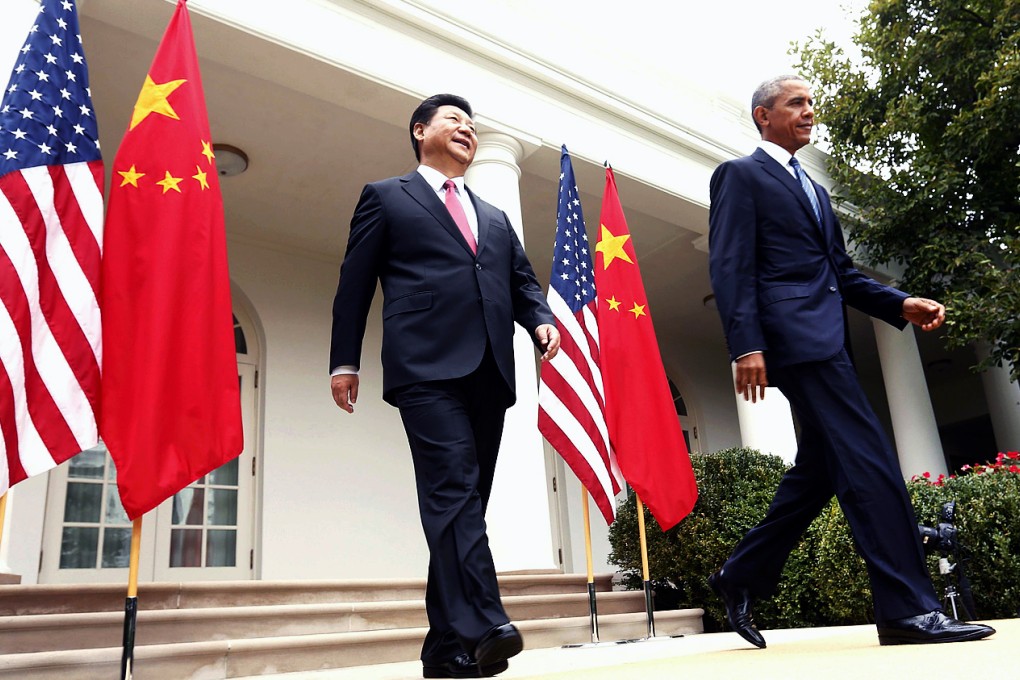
<point>781,277</point>
<point>454,280</point>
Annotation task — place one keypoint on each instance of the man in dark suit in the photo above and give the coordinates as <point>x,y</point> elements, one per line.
<point>454,279</point>
<point>781,277</point>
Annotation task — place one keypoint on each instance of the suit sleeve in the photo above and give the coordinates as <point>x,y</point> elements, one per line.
<point>531,309</point>
<point>359,274</point>
<point>732,248</point>
<point>862,292</point>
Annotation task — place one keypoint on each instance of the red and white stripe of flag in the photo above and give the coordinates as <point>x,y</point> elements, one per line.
<point>51,235</point>
<point>571,403</point>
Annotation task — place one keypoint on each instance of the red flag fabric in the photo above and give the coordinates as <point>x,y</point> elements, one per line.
<point>643,424</point>
<point>571,402</point>
<point>51,237</point>
<point>170,391</point>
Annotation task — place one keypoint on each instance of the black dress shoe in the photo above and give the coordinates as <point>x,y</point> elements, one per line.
<point>738,608</point>
<point>498,644</point>
<point>462,666</point>
<point>928,628</point>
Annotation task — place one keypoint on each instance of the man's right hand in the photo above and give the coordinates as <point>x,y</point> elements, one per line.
<point>345,391</point>
<point>750,378</point>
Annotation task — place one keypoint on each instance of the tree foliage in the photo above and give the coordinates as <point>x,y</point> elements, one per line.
<point>925,144</point>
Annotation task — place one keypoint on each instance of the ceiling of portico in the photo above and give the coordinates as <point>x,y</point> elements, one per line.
<point>314,134</point>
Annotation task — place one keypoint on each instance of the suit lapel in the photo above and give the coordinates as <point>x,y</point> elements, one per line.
<point>780,174</point>
<point>416,186</point>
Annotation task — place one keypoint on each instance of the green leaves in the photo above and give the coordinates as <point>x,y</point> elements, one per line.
<point>925,139</point>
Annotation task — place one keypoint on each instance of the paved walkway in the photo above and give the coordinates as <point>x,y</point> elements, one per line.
<point>841,653</point>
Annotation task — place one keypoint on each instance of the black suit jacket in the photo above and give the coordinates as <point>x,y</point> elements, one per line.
<point>442,304</point>
<point>780,278</point>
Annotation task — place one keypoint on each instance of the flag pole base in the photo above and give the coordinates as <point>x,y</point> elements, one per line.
<point>590,645</point>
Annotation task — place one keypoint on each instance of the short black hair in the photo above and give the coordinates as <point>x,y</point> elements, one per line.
<point>768,91</point>
<point>428,108</point>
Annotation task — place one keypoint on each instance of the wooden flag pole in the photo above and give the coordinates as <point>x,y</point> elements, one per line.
<point>131,605</point>
<point>592,609</point>
<point>3,513</point>
<point>644,567</point>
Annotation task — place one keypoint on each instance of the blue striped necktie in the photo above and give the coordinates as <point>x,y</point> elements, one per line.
<point>808,188</point>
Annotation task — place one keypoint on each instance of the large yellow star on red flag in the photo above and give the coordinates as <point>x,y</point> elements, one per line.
<point>153,99</point>
<point>611,247</point>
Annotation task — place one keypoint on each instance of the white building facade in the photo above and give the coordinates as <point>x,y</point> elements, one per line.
<point>317,95</point>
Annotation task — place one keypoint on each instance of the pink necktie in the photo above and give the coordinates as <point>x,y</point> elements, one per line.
<point>457,213</point>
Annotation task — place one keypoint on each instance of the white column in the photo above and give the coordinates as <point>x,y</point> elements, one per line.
<point>767,425</point>
<point>1003,397</point>
<point>519,518</point>
<point>913,419</point>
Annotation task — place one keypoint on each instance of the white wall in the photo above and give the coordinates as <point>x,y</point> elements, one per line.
<point>338,496</point>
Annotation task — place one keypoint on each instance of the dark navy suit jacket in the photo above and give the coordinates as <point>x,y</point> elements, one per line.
<point>442,304</point>
<point>780,278</point>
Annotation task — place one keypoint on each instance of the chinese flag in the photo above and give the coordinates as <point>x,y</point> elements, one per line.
<point>171,404</point>
<point>643,424</point>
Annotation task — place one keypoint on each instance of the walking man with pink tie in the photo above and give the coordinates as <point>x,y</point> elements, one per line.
<point>454,279</point>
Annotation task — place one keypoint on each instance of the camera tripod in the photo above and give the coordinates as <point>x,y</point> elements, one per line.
<point>961,601</point>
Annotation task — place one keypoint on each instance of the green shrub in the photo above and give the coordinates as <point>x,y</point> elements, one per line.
<point>988,520</point>
<point>825,581</point>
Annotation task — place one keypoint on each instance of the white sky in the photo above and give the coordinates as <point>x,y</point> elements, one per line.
<point>725,46</point>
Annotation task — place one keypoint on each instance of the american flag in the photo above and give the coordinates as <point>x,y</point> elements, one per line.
<point>51,235</point>
<point>571,399</point>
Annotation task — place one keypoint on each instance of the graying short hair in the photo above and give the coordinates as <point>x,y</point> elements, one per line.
<point>766,93</point>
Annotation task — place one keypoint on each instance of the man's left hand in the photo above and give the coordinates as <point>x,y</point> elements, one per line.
<point>548,337</point>
<point>928,314</point>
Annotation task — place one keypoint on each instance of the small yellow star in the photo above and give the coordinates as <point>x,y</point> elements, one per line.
<point>201,177</point>
<point>611,247</point>
<point>130,176</point>
<point>614,304</point>
<point>170,182</point>
<point>207,150</point>
<point>638,310</point>
<point>153,99</point>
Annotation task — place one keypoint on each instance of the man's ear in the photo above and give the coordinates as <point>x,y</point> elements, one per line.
<point>419,131</point>
<point>761,116</point>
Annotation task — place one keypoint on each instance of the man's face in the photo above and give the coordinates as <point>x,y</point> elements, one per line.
<point>448,138</point>
<point>789,121</point>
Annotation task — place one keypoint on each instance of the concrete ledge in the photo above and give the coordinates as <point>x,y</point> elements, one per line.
<point>222,659</point>
<point>108,597</point>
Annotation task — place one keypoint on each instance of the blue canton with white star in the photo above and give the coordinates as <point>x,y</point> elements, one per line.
<point>46,115</point>
<point>572,274</point>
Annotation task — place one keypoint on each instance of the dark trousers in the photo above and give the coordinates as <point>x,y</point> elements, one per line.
<point>454,429</point>
<point>843,451</point>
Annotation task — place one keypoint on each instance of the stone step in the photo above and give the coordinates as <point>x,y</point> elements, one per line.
<point>221,659</point>
<point>54,632</point>
<point>17,600</point>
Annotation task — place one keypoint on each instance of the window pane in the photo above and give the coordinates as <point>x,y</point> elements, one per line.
<point>186,548</point>
<point>240,343</point>
<point>116,548</point>
<point>88,464</point>
<point>221,550</point>
<point>79,547</point>
<point>84,502</point>
<point>225,475</point>
<point>188,504</point>
<point>223,507</point>
<point>114,510</point>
